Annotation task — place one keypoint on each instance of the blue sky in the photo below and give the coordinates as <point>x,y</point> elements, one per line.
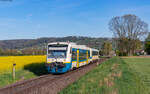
<point>24,19</point>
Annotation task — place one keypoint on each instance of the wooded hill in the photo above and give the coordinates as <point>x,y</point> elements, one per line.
<point>42,42</point>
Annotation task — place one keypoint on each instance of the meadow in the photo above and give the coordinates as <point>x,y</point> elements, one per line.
<point>115,76</point>
<point>142,68</point>
<point>26,67</point>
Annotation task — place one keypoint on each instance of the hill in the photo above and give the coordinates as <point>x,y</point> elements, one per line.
<point>41,42</point>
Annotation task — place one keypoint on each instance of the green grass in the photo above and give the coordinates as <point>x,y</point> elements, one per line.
<point>112,77</point>
<point>29,71</point>
<point>142,68</point>
<point>6,78</point>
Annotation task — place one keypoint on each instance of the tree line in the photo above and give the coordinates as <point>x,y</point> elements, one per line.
<point>21,52</point>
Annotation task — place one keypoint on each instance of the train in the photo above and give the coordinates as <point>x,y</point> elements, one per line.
<point>65,56</point>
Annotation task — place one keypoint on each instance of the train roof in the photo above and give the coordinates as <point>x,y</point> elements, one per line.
<point>66,43</point>
<point>94,49</point>
<point>74,45</point>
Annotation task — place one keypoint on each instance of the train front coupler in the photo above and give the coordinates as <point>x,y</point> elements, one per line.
<point>56,65</point>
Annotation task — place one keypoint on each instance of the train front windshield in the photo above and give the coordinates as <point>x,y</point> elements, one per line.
<point>57,51</point>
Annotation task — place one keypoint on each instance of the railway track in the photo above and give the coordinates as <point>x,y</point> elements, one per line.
<point>48,84</point>
<point>19,86</point>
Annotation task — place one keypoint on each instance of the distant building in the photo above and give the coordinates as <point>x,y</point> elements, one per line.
<point>140,52</point>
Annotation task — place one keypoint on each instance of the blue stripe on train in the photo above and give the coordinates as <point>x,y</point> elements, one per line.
<point>60,70</point>
<point>82,60</point>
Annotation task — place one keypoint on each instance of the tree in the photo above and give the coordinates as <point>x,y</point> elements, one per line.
<point>106,48</point>
<point>1,52</point>
<point>148,38</point>
<point>147,44</point>
<point>128,30</point>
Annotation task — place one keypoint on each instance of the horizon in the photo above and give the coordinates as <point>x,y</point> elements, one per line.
<point>53,37</point>
<point>33,19</point>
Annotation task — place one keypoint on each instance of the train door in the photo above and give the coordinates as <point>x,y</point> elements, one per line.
<point>77,58</point>
<point>87,57</point>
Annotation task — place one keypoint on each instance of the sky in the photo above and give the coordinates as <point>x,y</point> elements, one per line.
<point>30,19</point>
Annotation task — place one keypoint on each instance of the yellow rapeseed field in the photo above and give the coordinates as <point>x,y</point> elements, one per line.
<point>7,62</point>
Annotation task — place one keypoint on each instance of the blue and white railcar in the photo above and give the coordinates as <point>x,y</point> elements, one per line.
<point>64,56</point>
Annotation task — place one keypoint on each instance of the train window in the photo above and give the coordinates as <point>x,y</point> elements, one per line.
<point>74,55</point>
<point>94,53</point>
<point>89,54</point>
<point>82,55</point>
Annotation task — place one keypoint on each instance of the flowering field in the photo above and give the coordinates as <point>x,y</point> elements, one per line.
<point>6,63</point>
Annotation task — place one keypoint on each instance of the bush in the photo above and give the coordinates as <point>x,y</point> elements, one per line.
<point>147,47</point>
<point>118,53</point>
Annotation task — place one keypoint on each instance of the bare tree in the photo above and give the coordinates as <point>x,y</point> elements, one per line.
<point>127,30</point>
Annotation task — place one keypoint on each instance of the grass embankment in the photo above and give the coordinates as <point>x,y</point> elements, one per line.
<point>142,68</point>
<point>112,77</point>
<point>26,67</point>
